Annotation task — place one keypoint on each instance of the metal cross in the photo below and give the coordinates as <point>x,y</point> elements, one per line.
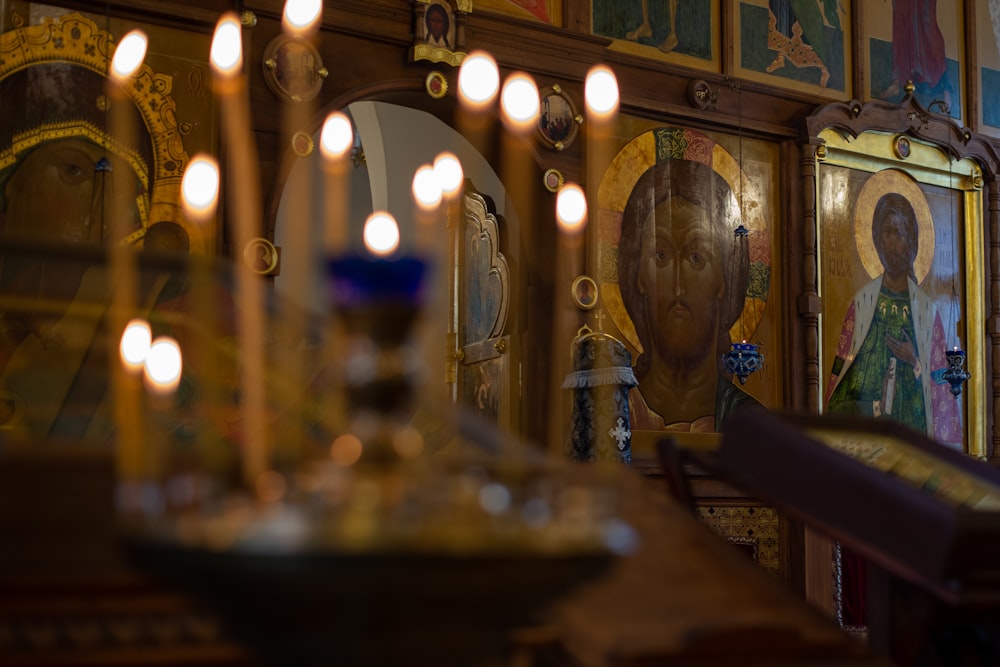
<point>620,433</point>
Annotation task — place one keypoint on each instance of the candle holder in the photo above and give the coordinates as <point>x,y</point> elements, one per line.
<point>743,360</point>
<point>956,375</point>
<point>378,301</point>
<point>402,539</point>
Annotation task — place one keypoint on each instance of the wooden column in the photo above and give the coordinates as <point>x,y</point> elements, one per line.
<point>809,299</point>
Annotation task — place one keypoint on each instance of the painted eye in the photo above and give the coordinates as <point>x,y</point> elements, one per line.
<point>697,260</point>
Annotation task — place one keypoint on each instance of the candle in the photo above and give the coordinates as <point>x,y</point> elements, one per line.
<point>571,219</point>
<point>299,279</point>
<point>243,186</point>
<point>478,84</point>
<point>336,141</point>
<point>133,466</point>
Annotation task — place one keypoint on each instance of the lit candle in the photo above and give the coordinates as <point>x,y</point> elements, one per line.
<point>200,188</point>
<point>478,84</point>
<point>520,103</point>
<point>571,220</point>
<point>300,20</point>
<point>133,466</point>
<point>451,178</point>
<point>381,234</point>
<point>243,186</point>
<point>336,141</point>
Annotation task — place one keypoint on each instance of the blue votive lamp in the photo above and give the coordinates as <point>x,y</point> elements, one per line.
<point>378,296</point>
<point>956,375</point>
<point>743,360</point>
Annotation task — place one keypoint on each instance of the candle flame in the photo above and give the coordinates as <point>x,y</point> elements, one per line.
<point>301,15</point>
<point>571,208</point>
<point>478,79</point>
<point>519,101</point>
<point>601,91</point>
<point>426,187</point>
<point>129,54</point>
<point>135,342</point>
<point>449,172</point>
<point>227,45</point>
<point>337,136</point>
<point>200,187</point>
<point>381,233</point>
<point>163,365</point>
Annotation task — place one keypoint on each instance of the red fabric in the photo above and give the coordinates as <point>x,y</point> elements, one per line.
<point>917,42</point>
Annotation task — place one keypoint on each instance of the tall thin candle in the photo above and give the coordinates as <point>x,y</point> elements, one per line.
<point>298,279</point>
<point>243,186</point>
<point>133,466</point>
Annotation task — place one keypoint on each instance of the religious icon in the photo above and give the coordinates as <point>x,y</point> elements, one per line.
<point>659,27</point>
<point>800,45</point>
<point>674,283</point>
<point>68,179</point>
<point>439,31</point>
<point>890,357</point>
<point>907,45</point>
<point>262,256</point>
<point>584,292</point>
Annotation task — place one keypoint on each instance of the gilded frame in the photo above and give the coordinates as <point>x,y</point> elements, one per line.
<point>293,69</point>
<point>946,281</point>
<point>559,122</point>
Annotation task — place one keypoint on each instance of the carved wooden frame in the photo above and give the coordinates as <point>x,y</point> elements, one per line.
<point>853,119</point>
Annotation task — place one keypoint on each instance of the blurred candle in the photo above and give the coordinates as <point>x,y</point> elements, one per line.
<point>133,465</point>
<point>243,188</point>
<point>129,55</point>
<point>302,239</point>
<point>163,365</point>
<point>450,174</point>
<point>135,343</point>
<point>478,84</point>
<point>381,234</point>
<point>520,103</point>
<point>601,93</point>
<point>301,16</point>
<point>200,188</point>
<point>571,209</point>
<point>336,141</point>
<point>602,98</point>
<point>426,188</point>
<point>571,220</point>
<point>478,80</point>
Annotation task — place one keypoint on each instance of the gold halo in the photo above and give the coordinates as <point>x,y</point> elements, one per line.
<point>620,178</point>
<point>77,39</point>
<point>880,183</point>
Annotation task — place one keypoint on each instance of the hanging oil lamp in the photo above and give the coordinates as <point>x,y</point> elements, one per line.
<point>956,375</point>
<point>744,358</point>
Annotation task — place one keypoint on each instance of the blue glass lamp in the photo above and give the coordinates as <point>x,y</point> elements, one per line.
<point>744,358</point>
<point>956,375</point>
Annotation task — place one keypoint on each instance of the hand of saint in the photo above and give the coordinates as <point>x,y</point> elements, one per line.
<point>903,349</point>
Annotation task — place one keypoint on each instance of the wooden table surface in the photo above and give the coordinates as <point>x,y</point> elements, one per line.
<point>688,597</point>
